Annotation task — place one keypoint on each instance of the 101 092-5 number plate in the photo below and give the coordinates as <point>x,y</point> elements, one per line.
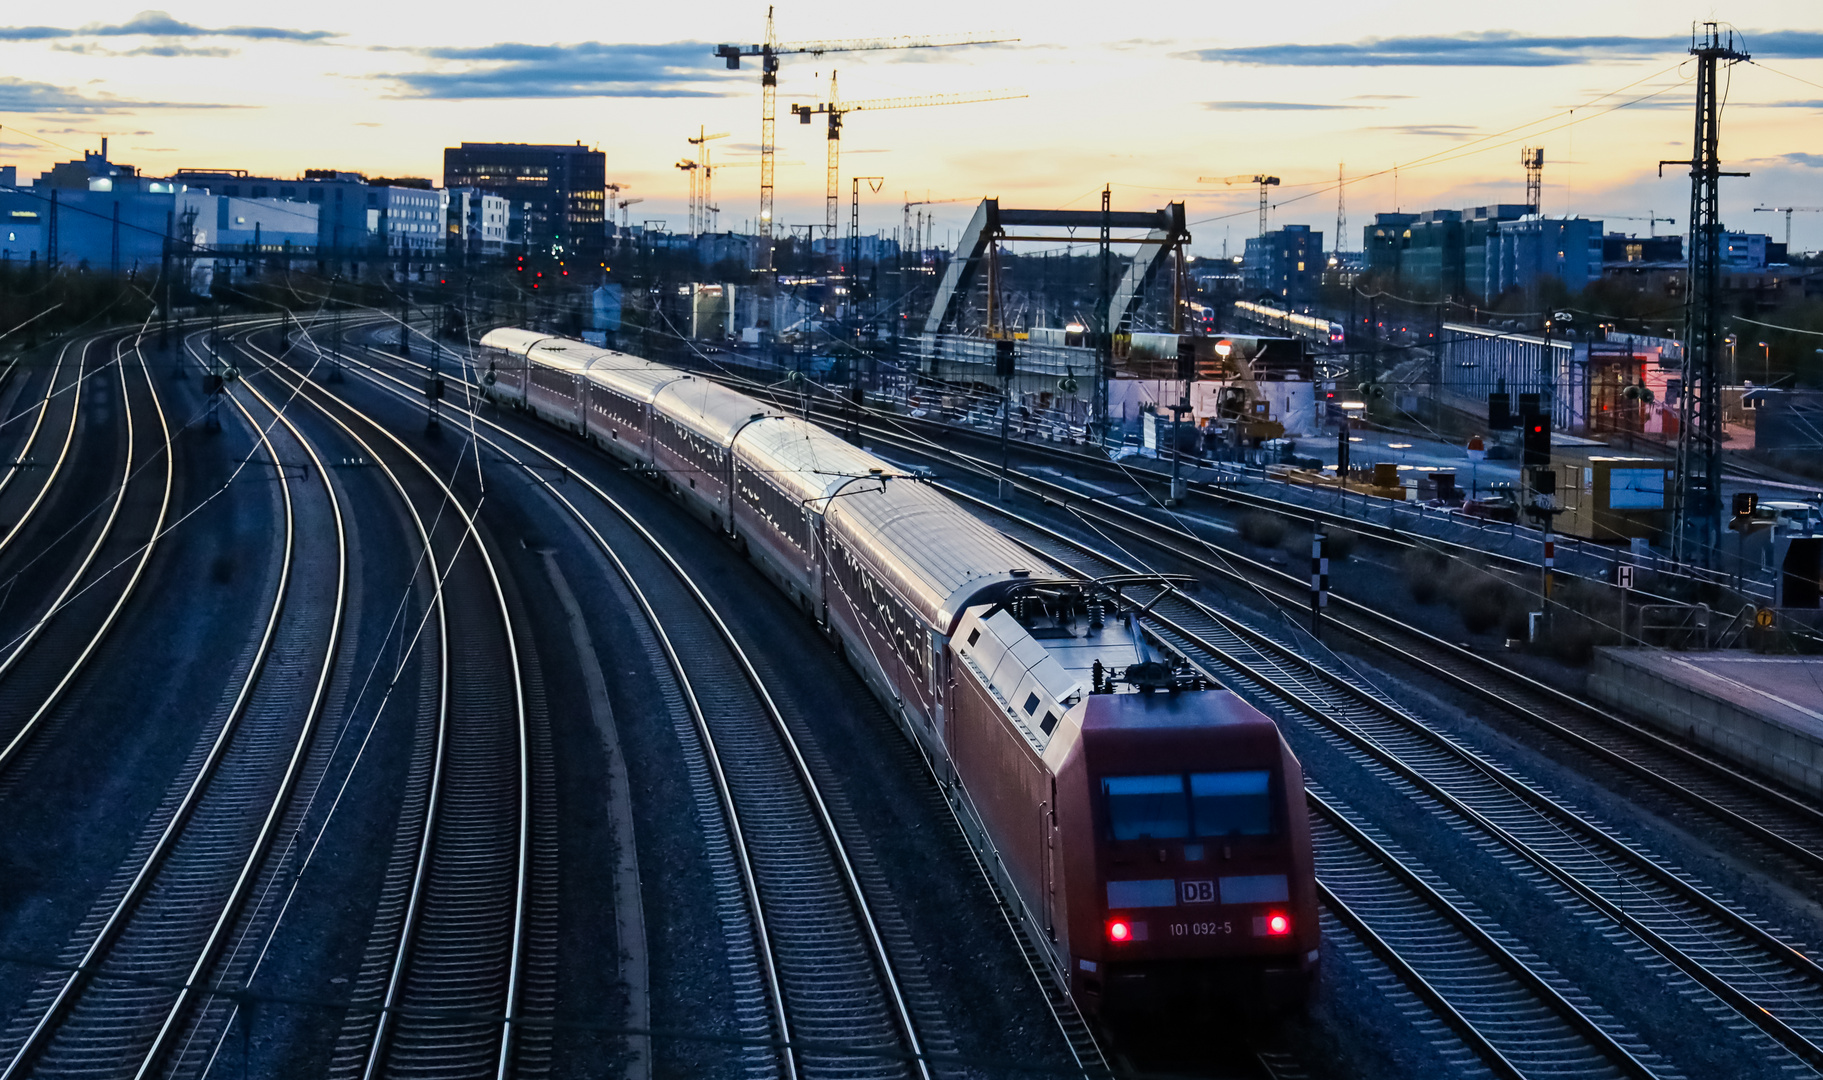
<point>1202,929</point>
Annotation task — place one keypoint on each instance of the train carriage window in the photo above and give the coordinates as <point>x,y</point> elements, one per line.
<point>1146,807</point>
<point>1232,803</point>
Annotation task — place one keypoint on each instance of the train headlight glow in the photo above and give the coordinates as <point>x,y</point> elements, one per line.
<point>1120,930</point>
<point>1278,924</point>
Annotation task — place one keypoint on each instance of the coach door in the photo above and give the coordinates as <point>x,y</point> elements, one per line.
<point>1047,830</point>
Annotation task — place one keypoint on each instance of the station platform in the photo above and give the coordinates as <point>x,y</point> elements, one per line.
<point>1764,714</point>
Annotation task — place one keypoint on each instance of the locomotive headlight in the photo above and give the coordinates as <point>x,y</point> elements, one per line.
<point>1278,924</point>
<point>1120,930</point>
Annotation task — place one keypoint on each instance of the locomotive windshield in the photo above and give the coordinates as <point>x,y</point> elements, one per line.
<point>1231,803</point>
<point>1147,807</point>
<point>1219,804</point>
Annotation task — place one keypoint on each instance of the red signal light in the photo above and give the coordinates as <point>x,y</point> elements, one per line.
<point>1278,924</point>
<point>1120,930</point>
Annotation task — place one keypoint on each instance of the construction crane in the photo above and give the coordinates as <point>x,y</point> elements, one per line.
<point>836,109</point>
<point>692,168</point>
<point>1650,219</point>
<point>1257,178</point>
<point>917,243</point>
<point>1788,211</point>
<point>699,191</point>
<point>625,223</point>
<point>614,191</point>
<point>709,172</point>
<point>769,52</point>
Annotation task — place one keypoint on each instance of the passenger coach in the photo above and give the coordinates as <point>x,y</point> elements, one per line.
<point>1150,829</point>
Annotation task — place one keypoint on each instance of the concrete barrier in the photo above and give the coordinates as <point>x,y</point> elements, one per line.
<point>1763,714</point>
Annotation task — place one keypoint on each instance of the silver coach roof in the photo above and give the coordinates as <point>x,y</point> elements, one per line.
<point>804,459</point>
<point>936,554</point>
<point>512,339</point>
<point>715,411</point>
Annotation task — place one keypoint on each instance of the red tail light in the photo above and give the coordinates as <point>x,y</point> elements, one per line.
<point>1120,930</point>
<point>1278,924</point>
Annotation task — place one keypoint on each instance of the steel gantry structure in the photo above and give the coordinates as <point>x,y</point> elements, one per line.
<point>769,51</point>
<point>1697,500</point>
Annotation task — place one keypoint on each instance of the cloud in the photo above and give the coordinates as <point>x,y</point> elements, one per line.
<point>1785,44</point>
<point>1381,97</point>
<point>1798,157</point>
<point>161,24</point>
<point>1499,48</point>
<point>1274,106</point>
<point>1441,131</point>
<point>1489,48</point>
<point>584,69</point>
<point>169,48</point>
<point>19,96</point>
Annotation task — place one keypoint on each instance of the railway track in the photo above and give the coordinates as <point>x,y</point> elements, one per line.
<point>143,964</point>
<point>78,559</point>
<point>1766,816</point>
<point>1590,868</point>
<point>841,991</point>
<point>450,989</point>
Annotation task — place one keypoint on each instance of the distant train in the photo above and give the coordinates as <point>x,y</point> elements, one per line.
<point>1292,324</point>
<point>1151,830</point>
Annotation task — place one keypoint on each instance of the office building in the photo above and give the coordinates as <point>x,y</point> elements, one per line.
<point>476,223</point>
<point>1285,264</point>
<point>556,195</point>
<point>1522,252</point>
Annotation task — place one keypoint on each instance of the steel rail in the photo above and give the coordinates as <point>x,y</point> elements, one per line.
<point>20,644</point>
<point>17,465</point>
<point>67,994</point>
<point>15,746</point>
<point>1535,984</point>
<point>880,956</point>
<point>415,907</point>
<point>281,797</point>
<point>1286,688</point>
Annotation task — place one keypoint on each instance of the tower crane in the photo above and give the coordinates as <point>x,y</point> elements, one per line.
<point>835,108</point>
<point>769,52</point>
<point>1257,178</point>
<point>691,167</point>
<point>614,191</point>
<point>917,244</point>
<point>625,223</point>
<point>1650,219</point>
<point>709,172</point>
<point>1788,211</point>
<point>699,192</point>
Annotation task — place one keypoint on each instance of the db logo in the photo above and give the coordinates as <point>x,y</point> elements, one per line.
<point>1197,892</point>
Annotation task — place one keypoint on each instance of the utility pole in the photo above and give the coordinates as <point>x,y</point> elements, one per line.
<point>1697,518</point>
<point>1104,342</point>
<point>164,278</point>
<point>1341,209</point>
